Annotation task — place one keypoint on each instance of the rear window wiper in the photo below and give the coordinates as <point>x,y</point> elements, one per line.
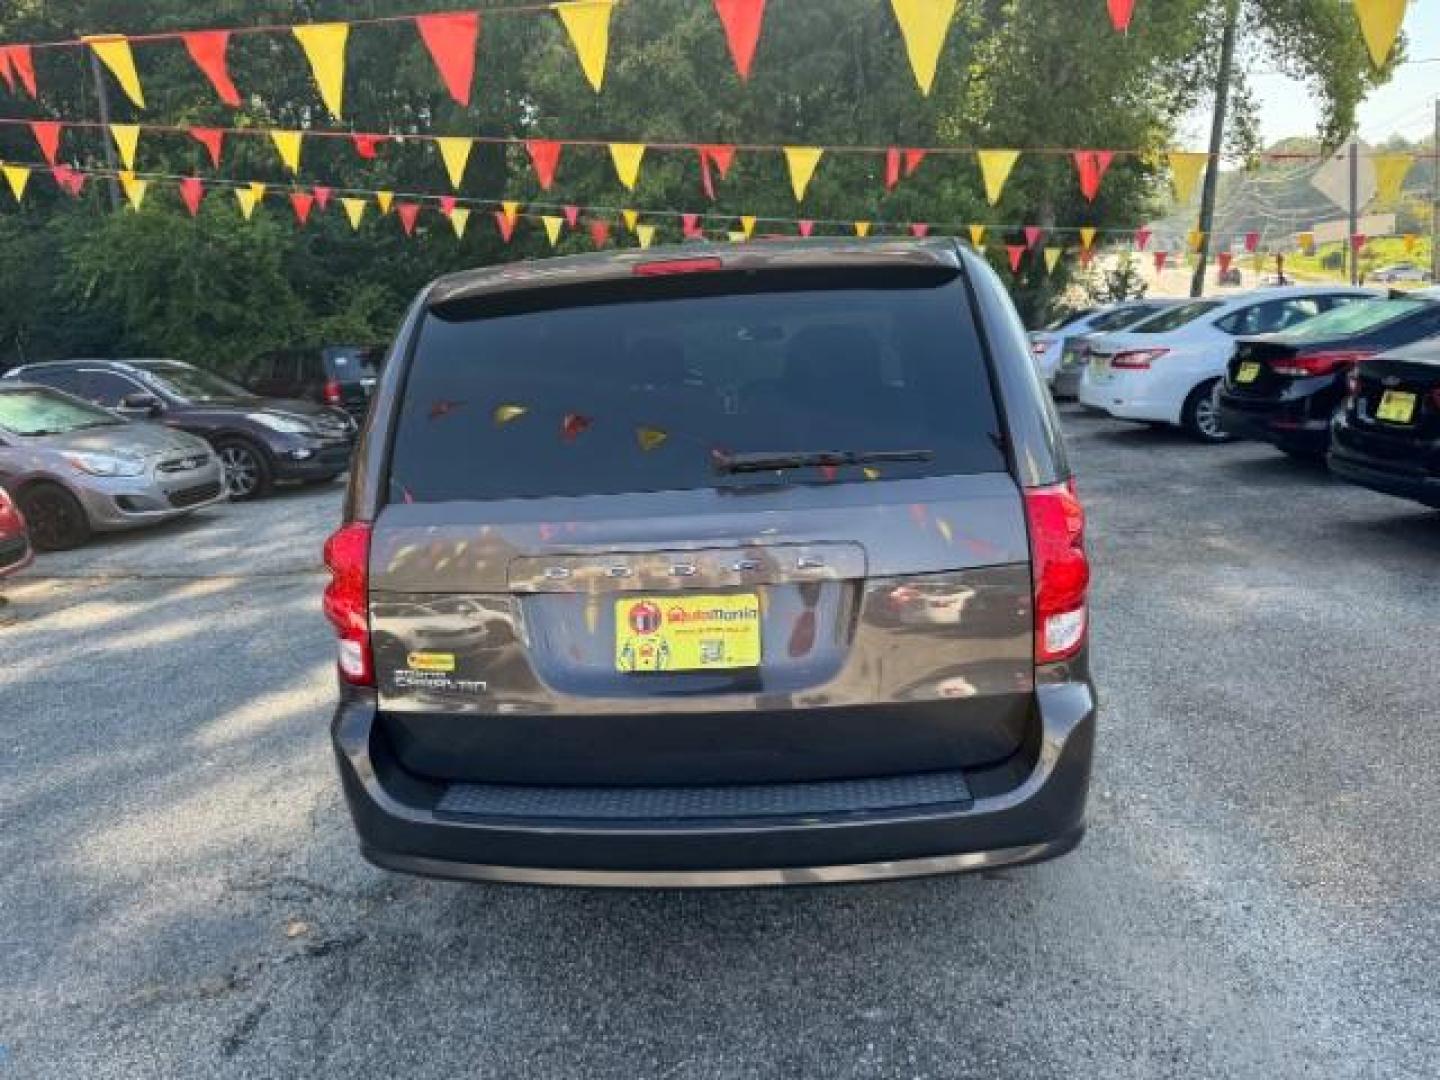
<point>767,461</point>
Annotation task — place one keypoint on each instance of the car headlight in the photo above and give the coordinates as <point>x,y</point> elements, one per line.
<point>286,425</point>
<point>106,464</point>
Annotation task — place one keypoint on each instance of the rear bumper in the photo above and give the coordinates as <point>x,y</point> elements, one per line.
<point>1284,428</point>
<point>1385,477</point>
<point>999,817</point>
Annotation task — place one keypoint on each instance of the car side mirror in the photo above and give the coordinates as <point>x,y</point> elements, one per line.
<point>139,405</point>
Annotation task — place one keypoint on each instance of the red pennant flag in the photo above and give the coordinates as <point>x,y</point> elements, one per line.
<point>806,226</point>
<point>544,156</point>
<point>1086,256</point>
<point>23,65</point>
<point>447,205</point>
<point>322,196</point>
<point>302,201</point>
<point>690,226</point>
<point>1223,260</point>
<point>892,168</point>
<point>207,49</point>
<point>365,144</point>
<point>1015,251</point>
<point>741,19</point>
<point>573,425</point>
<point>572,216</point>
<point>68,180</point>
<point>1160,257</point>
<point>913,158</point>
<point>47,134</point>
<point>1142,238</point>
<point>6,72</point>
<point>408,212</point>
<point>1032,235</point>
<point>192,190</point>
<point>1091,165</point>
<point>1252,241</point>
<point>506,225</point>
<point>451,37</point>
<point>1357,240</point>
<point>210,138</point>
<point>1120,12</point>
<point>919,229</point>
<point>720,157</point>
<point>599,232</point>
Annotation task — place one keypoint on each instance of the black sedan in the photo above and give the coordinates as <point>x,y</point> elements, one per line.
<point>1387,437</point>
<point>1285,388</point>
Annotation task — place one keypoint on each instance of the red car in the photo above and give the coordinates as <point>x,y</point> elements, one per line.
<point>14,538</point>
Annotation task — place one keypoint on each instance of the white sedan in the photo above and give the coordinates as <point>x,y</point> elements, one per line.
<point>1167,369</point>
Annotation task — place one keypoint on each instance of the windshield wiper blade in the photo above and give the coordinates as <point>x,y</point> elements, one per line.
<point>770,461</point>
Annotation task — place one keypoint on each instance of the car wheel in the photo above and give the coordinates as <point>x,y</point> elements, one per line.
<point>1201,414</point>
<point>247,472</point>
<point>57,520</point>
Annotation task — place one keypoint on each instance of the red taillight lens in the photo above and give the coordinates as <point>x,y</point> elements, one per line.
<point>331,393</point>
<point>1435,399</point>
<point>1319,363</point>
<point>662,267</point>
<point>1038,346</point>
<point>347,557</point>
<point>1136,359</point>
<point>1061,570</point>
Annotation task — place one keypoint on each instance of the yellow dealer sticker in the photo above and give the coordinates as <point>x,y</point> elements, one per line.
<point>431,661</point>
<point>687,633</point>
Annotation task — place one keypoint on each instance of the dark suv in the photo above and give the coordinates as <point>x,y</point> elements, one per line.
<point>339,375</point>
<point>703,566</point>
<point>259,440</point>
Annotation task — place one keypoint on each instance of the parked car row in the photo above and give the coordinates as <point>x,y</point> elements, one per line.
<point>95,445</point>
<point>1345,374</point>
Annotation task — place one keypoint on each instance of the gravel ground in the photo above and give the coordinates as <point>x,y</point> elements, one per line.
<point>180,893</point>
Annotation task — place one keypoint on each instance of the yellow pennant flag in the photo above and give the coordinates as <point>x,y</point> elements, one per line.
<point>1380,25</point>
<point>1306,241</point>
<point>127,138</point>
<point>646,234</point>
<point>324,45</point>
<point>133,187</point>
<point>802,161</point>
<point>1409,240</point>
<point>511,209</point>
<point>747,225</point>
<point>995,166</point>
<point>247,197</point>
<point>1195,238</point>
<point>977,235</point>
<point>627,157</point>
<point>553,224</point>
<point>1087,236</point>
<point>649,438</point>
<point>924,24</point>
<point>630,217</point>
<point>459,218</point>
<point>588,24</point>
<point>383,199</point>
<point>1390,173</point>
<point>354,210</point>
<point>1185,169</point>
<point>455,151</point>
<point>862,228</point>
<point>288,145</point>
<point>114,53</point>
<point>1052,258</point>
<point>19,176</point>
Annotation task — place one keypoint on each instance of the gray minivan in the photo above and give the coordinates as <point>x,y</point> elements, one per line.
<point>713,566</point>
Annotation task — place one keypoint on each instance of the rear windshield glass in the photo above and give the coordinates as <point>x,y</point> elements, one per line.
<point>354,363</point>
<point>1069,318</point>
<point>1350,319</point>
<point>639,386</point>
<point>1175,317</point>
<point>1122,317</point>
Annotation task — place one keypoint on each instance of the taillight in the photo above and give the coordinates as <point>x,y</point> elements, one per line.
<point>1136,359</point>
<point>1061,570</point>
<point>664,267</point>
<point>331,393</point>
<point>1319,363</point>
<point>347,557</point>
<point>1435,399</point>
<point>1038,346</point>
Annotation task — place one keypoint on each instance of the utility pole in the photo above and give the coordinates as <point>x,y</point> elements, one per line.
<point>1354,217</point>
<point>1217,143</point>
<point>103,97</point>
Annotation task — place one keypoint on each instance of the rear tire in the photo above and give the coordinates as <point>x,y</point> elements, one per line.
<point>247,469</point>
<point>57,520</point>
<point>1201,414</point>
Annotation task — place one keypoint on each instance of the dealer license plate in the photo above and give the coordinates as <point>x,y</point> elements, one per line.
<point>687,633</point>
<point>1249,371</point>
<point>1396,406</point>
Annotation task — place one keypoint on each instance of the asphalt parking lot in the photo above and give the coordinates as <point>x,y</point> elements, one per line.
<point>1258,895</point>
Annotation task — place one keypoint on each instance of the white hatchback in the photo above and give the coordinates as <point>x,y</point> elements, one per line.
<point>1167,369</point>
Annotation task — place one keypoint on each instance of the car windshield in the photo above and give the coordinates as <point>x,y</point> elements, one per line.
<point>1174,318</point>
<point>39,410</point>
<point>190,383</point>
<point>351,364</point>
<point>666,383</point>
<point>1356,318</point>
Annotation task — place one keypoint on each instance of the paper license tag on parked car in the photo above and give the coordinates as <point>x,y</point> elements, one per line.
<point>1249,372</point>
<point>687,633</point>
<point>1396,406</point>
